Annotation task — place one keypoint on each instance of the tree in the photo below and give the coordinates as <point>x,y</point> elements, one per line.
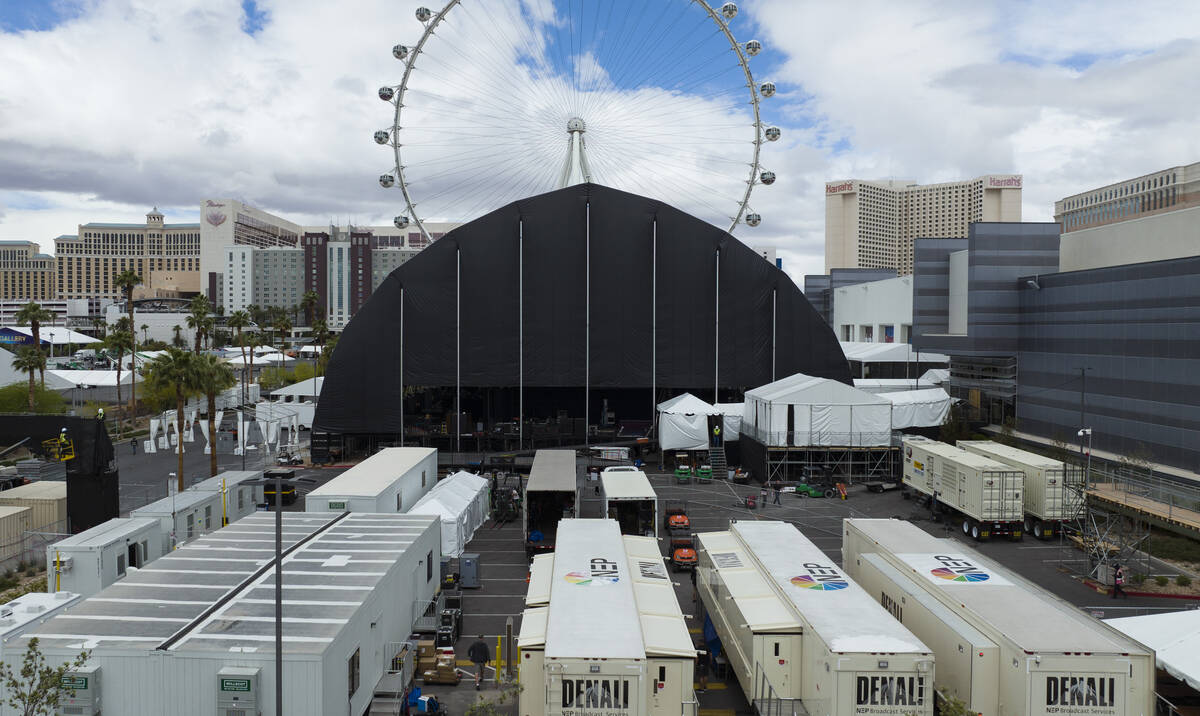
<point>37,688</point>
<point>213,375</point>
<point>119,341</point>
<point>237,321</point>
<point>29,360</point>
<point>145,333</point>
<point>309,303</point>
<point>951,705</point>
<point>15,399</point>
<point>33,315</point>
<point>320,331</point>
<point>198,318</point>
<point>126,280</point>
<point>177,340</point>
<point>326,355</point>
<point>283,325</point>
<point>175,371</point>
<point>100,326</point>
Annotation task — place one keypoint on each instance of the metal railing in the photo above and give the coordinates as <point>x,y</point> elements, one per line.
<point>768,702</point>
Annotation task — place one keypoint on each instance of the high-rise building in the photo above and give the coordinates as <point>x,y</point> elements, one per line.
<point>228,222</point>
<point>25,273</point>
<point>872,224</point>
<point>1155,193</point>
<point>166,256</point>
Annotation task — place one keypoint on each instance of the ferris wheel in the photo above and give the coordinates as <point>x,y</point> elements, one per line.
<point>503,99</point>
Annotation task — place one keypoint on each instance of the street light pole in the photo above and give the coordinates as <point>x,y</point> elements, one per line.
<point>1087,471</point>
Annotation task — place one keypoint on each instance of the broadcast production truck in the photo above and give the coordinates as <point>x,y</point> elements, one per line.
<point>1053,658</point>
<point>1053,489</point>
<point>795,628</point>
<point>550,495</point>
<point>630,500</point>
<point>602,633</point>
<point>984,496</point>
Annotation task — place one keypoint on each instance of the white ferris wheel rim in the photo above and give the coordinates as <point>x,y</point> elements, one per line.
<point>742,206</point>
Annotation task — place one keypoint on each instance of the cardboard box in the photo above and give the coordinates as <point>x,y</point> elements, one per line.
<point>426,648</point>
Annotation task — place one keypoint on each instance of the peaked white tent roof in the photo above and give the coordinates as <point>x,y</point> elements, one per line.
<point>936,375</point>
<point>888,353</point>
<point>686,404</point>
<point>461,501</point>
<point>94,378</point>
<point>1173,636</point>
<point>823,412</point>
<point>807,390</point>
<point>309,388</point>
<point>919,408</point>
<point>683,422</point>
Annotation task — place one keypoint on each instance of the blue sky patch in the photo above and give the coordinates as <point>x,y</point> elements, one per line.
<point>255,18</point>
<point>36,15</point>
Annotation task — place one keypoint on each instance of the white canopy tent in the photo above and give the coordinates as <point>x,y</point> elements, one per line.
<point>802,410</point>
<point>461,502</point>
<point>937,376</point>
<point>308,389</point>
<point>683,422</point>
<point>919,408</point>
<point>866,352</point>
<point>1173,636</point>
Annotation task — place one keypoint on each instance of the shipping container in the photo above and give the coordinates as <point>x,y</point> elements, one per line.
<point>966,659</point>
<point>1053,489</point>
<point>982,496</point>
<point>606,635</point>
<point>47,500</point>
<point>550,495</point>
<point>391,480</point>
<point>237,500</point>
<point>15,522</point>
<point>93,559</point>
<point>630,500</point>
<point>1054,658</point>
<point>795,627</point>
<point>184,516</point>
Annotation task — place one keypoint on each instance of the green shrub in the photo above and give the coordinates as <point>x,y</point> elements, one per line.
<point>1162,580</point>
<point>1137,580</point>
<point>15,399</point>
<point>31,572</point>
<point>1183,580</point>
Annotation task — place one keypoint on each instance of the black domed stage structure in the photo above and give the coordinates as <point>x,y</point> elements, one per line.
<point>586,301</point>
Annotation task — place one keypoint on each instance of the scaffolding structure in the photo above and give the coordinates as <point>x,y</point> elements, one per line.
<point>843,464</point>
<point>1106,534</point>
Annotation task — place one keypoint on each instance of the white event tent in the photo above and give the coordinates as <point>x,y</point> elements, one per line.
<point>802,410</point>
<point>1173,636</point>
<point>461,501</point>
<point>683,422</point>
<point>919,408</point>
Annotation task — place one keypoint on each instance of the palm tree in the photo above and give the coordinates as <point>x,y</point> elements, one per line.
<point>118,340</point>
<point>32,314</point>
<point>177,341</point>
<point>320,331</point>
<point>175,371</point>
<point>198,318</point>
<point>213,375</point>
<point>309,302</point>
<point>283,325</point>
<point>99,325</point>
<point>145,333</point>
<point>126,280</point>
<point>210,329</point>
<point>29,360</point>
<point>236,322</point>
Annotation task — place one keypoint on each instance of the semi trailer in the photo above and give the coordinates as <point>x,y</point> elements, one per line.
<point>983,496</point>
<point>1053,658</point>
<point>798,632</point>
<point>1053,489</point>
<point>630,500</point>
<point>550,495</point>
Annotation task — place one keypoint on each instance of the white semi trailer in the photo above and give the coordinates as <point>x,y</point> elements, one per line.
<point>629,499</point>
<point>1053,489</point>
<point>799,632</point>
<point>602,633</point>
<point>1053,658</point>
<point>982,495</point>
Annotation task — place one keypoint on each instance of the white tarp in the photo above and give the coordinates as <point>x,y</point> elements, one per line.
<point>1173,636</point>
<point>461,501</point>
<point>879,386</point>
<point>919,408</point>
<point>683,422</point>
<point>867,352</point>
<point>822,412</point>
<point>937,376</point>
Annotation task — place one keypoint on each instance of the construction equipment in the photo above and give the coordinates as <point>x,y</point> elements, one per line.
<point>683,553</point>
<point>683,468</point>
<point>704,473</point>
<point>677,516</point>
<point>59,449</point>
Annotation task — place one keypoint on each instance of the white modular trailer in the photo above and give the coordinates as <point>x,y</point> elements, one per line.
<point>184,516</point>
<point>461,503</point>
<point>631,501</point>
<point>391,480</point>
<point>986,496</point>
<point>237,500</point>
<point>1053,489</point>
<point>27,612</point>
<point>967,661</point>
<point>193,633</point>
<point>550,495</point>
<point>89,561</point>
<point>1054,659</point>
<point>796,626</point>
<point>606,636</point>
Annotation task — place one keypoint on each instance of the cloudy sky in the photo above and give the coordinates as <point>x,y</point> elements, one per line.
<point>108,107</point>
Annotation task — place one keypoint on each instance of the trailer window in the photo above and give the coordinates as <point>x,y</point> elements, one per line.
<point>353,673</point>
<point>208,517</point>
<point>241,499</point>
<point>662,674</point>
<point>776,648</point>
<point>120,565</point>
<point>191,525</point>
<point>398,502</point>
<point>429,567</point>
<point>422,478</point>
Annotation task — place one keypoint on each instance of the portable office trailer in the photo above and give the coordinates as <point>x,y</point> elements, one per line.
<point>47,502</point>
<point>391,480</point>
<point>15,522</point>
<point>630,500</point>
<point>831,644</point>
<point>27,612</point>
<point>986,497</point>
<point>1053,489</point>
<point>184,516</point>
<point>192,634</point>
<point>550,495</point>
<point>606,635</point>
<point>93,559</point>
<point>1054,659</point>
<point>238,500</point>
<point>967,661</point>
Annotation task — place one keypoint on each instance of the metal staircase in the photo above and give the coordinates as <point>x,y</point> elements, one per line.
<point>716,460</point>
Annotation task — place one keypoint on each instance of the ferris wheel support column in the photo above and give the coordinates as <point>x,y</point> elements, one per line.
<point>575,146</point>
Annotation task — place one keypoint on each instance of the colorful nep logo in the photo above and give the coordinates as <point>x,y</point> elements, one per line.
<point>600,571</point>
<point>957,569</point>
<point>819,577</point>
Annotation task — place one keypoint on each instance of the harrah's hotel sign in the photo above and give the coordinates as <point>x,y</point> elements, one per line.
<point>839,188</point>
<point>1008,182</point>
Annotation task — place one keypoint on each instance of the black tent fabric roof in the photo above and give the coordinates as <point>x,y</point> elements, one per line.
<point>586,285</point>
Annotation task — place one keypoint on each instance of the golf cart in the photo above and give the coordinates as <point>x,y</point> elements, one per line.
<point>683,468</point>
<point>677,516</point>
<point>683,553</point>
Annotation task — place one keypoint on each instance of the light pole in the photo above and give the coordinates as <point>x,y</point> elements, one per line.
<point>1087,472</point>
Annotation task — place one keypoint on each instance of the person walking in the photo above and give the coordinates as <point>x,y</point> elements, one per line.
<point>776,494</point>
<point>702,671</point>
<point>479,655</point>
<point>133,445</point>
<point>1118,581</point>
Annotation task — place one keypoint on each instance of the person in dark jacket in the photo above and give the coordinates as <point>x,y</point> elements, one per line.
<point>1118,582</point>
<point>479,655</point>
